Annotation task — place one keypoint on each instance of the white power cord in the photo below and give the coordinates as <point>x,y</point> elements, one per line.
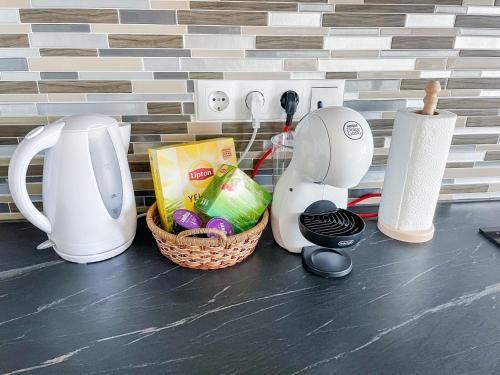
<point>255,103</point>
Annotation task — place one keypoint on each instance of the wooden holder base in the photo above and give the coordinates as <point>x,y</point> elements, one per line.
<point>406,236</point>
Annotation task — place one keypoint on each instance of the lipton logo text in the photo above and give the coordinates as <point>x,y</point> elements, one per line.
<point>201,174</point>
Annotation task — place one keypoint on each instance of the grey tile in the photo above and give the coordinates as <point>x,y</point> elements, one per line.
<point>393,8</point>
<point>316,7</point>
<point>64,109</point>
<point>372,85</point>
<point>18,52</point>
<point>419,53</point>
<point>139,97</point>
<point>170,75</point>
<point>162,17</point>
<point>157,118</point>
<point>116,75</point>
<point>475,112</point>
<point>341,75</point>
<point>477,21</point>
<point>492,155</point>
<point>463,188</point>
<point>193,29</point>
<point>230,65</point>
<point>475,121</point>
<point>419,84</point>
<point>468,103</point>
<point>58,39</point>
<point>219,41</point>
<point>17,109</point>
<point>480,52</point>
<point>375,105</point>
<point>364,20</point>
<point>188,108</point>
<point>422,42</point>
<point>13,64</point>
<point>20,76</point>
<point>286,53</point>
<point>9,15</point>
<point>58,75</point>
<point>135,4</point>
<point>451,9</point>
<point>475,139</point>
<point>161,64</point>
<point>355,31</point>
<point>474,83</point>
<point>64,28</point>
<point>145,52</point>
<point>190,86</point>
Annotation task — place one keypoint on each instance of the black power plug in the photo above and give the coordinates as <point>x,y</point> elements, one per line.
<point>289,102</point>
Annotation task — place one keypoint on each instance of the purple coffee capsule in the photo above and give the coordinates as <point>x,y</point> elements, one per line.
<point>221,224</point>
<point>185,219</point>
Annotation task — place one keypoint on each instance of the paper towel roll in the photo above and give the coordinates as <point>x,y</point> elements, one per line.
<point>417,160</point>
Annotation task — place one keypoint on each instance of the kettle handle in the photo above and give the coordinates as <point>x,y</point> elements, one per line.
<point>35,141</point>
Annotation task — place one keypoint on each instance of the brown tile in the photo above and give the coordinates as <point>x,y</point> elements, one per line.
<point>468,103</point>
<point>430,64</point>
<point>475,139</point>
<point>341,75</point>
<point>164,108</point>
<point>18,87</point>
<point>144,41</point>
<point>492,155</point>
<point>462,188</point>
<point>419,84</point>
<point>221,18</point>
<point>8,141</point>
<point>59,86</point>
<point>393,8</point>
<point>243,5</point>
<point>14,40</point>
<point>289,42</point>
<point>474,83</point>
<point>460,164</point>
<point>422,42</point>
<point>363,20</point>
<point>477,21</point>
<point>246,127</point>
<point>206,75</point>
<point>23,120</point>
<point>475,121</point>
<point>159,128</point>
<point>67,52</point>
<point>15,130</point>
<point>14,209</point>
<point>379,159</point>
<point>68,15</point>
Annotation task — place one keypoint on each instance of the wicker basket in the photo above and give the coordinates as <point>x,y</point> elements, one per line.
<point>205,253</point>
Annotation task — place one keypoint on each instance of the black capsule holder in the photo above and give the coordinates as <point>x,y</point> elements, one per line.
<point>331,229</point>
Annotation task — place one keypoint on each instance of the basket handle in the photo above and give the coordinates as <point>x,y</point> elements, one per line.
<point>183,236</point>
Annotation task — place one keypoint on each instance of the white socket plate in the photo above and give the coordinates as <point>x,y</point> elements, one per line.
<point>237,91</point>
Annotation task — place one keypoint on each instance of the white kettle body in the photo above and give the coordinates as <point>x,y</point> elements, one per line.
<point>89,211</point>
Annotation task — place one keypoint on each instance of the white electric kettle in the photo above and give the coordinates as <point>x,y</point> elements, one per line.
<point>89,211</point>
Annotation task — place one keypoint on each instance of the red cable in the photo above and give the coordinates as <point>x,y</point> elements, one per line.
<point>361,199</point>
<point>261,161</point>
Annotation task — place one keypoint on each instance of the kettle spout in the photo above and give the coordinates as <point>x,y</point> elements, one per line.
<point>125,129</point>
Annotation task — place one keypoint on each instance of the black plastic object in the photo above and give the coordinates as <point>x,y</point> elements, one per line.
<point>321,261</point>
<point>492,234</point>
<point>327,226</point>
<point>289,102</point>
<point>323,224</point>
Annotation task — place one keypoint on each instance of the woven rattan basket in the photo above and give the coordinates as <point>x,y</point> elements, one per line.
<point>205,253</point>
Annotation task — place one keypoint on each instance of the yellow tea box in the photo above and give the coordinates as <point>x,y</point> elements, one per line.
<point>181,173</point>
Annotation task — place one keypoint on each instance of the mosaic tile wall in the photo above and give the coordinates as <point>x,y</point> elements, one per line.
<point>137,60</point>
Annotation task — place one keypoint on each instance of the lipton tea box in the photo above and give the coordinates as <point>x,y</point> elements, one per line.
<point>181,173</point>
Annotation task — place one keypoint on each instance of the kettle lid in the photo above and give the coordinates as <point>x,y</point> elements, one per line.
<point>80,123</point>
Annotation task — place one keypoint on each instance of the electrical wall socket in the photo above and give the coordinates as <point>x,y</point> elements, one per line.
<point>329,92</point>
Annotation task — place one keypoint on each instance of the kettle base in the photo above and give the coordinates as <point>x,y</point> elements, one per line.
<point>82,259</point>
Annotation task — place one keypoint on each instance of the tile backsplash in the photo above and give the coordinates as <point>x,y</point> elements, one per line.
<point>137,60</point>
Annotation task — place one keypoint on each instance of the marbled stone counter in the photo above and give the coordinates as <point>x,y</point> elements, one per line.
<point>405,309</point>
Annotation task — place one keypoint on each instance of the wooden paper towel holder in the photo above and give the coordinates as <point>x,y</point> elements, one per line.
<point>432,90</point>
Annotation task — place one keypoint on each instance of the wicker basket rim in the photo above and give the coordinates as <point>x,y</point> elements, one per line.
<point>166,236</point>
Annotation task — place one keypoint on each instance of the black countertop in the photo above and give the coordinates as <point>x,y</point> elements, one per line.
<point>405,309</point>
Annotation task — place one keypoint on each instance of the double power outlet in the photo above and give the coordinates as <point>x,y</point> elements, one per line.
<point>225,100</point>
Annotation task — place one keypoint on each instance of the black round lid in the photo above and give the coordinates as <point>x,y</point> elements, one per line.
<point>323,224</point>
<point>331,263</point>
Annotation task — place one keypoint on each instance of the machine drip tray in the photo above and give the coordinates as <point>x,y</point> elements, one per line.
<point>326,262</point>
